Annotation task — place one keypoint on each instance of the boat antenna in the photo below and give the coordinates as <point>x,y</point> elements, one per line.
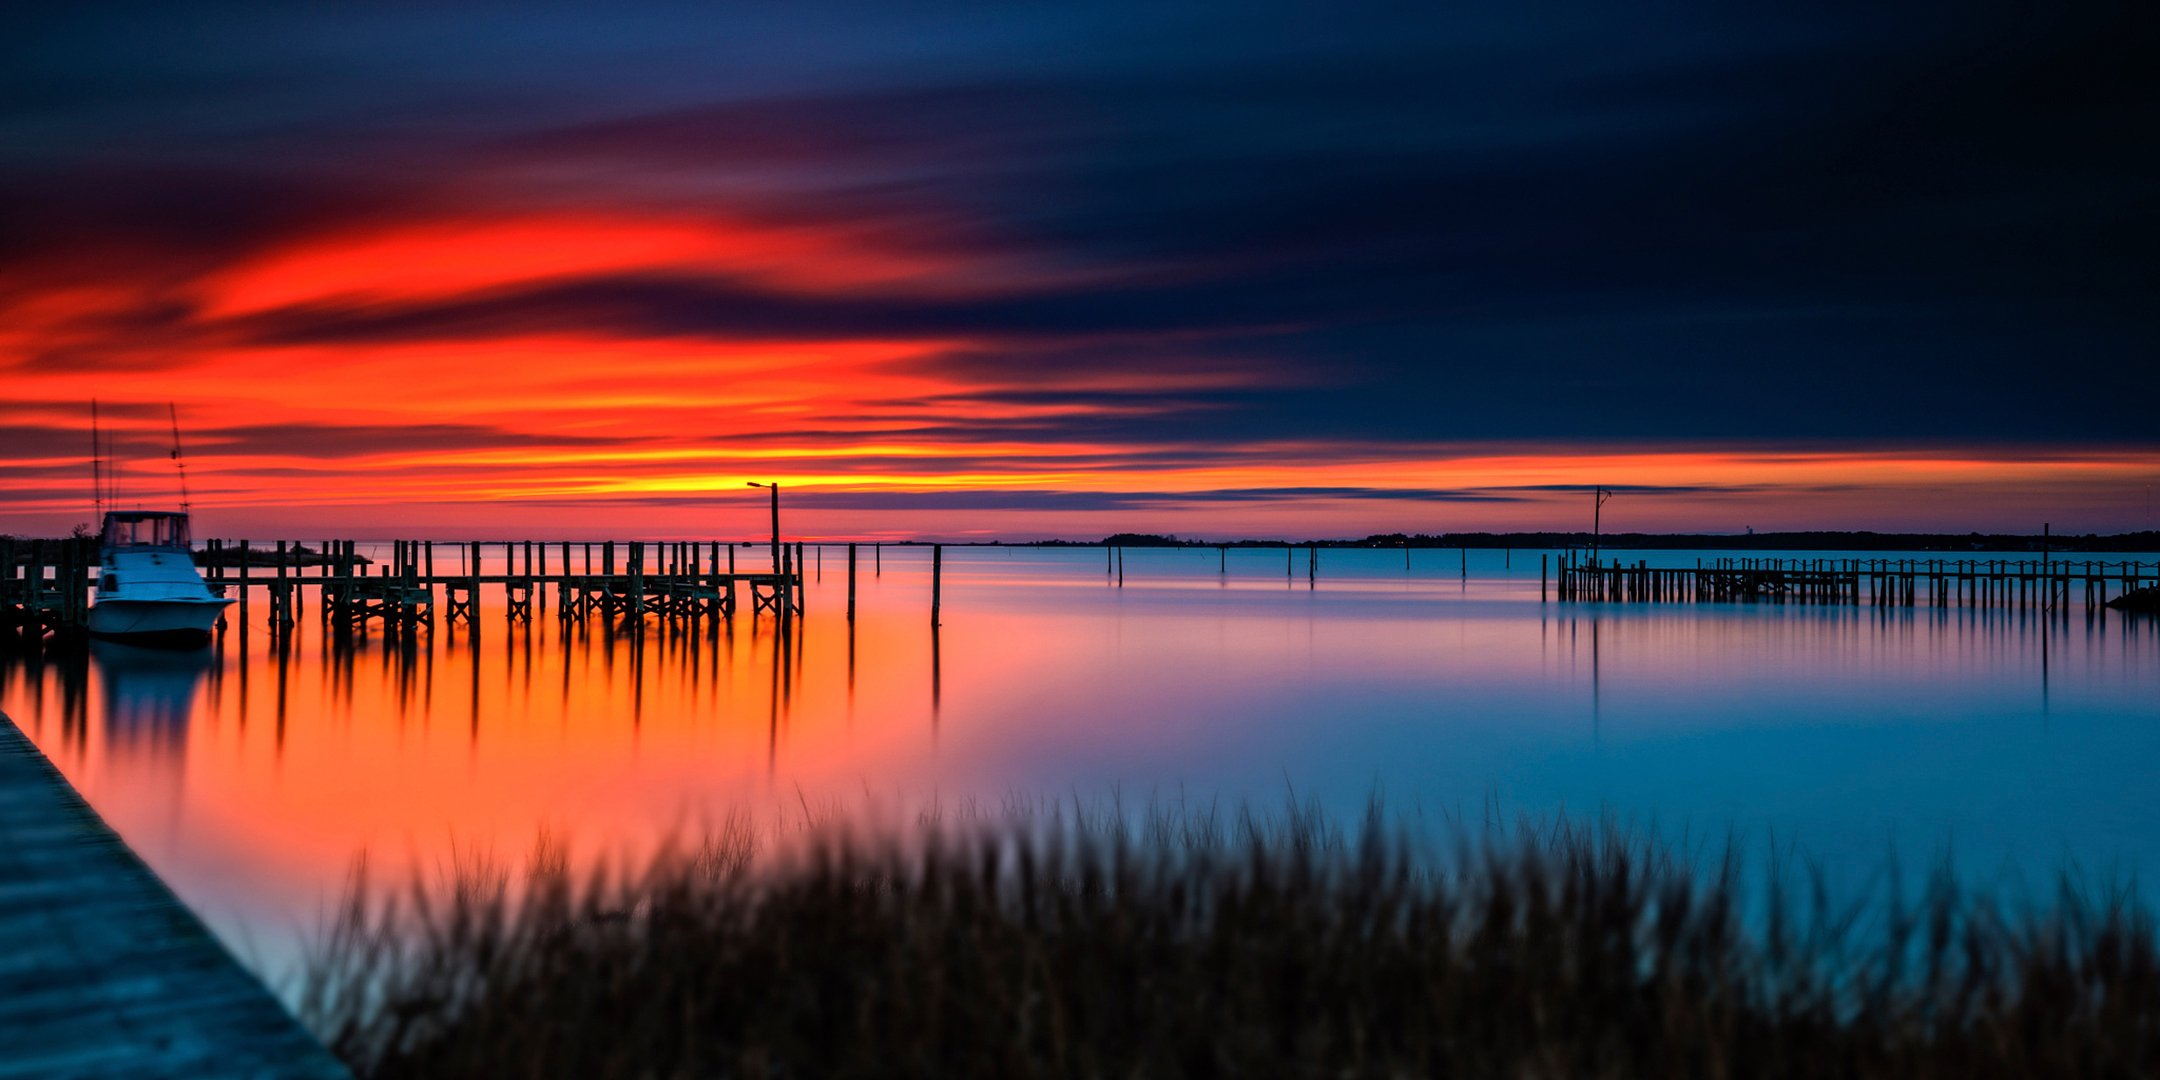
<point>97,466</point>
<point>112,476</point>
<point>179,462</point>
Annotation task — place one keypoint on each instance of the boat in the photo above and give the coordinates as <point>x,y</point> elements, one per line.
<point>148,589</point>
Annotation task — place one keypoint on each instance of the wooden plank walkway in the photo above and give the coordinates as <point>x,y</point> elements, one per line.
<point>103,973</point>
<point>2048,585</point>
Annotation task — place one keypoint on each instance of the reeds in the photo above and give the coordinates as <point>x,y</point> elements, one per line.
<point>1193,944</point>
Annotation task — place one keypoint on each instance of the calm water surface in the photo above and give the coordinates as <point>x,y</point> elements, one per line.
<point>249,776</point>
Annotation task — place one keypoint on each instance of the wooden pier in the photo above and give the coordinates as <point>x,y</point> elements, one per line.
<point>2019,584</point>
<point>45,585</point>
<point>103,973</point>
<point>608,580</point>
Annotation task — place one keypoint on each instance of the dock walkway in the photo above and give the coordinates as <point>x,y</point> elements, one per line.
<point>103,973</point>
<point>2052,585</point>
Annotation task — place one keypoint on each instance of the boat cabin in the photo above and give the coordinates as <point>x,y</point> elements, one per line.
<point>146,530</point>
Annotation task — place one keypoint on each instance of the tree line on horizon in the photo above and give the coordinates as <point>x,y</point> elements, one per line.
<point>1814,540</point>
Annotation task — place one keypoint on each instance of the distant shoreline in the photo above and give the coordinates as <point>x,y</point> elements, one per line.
<point>1773,541</point>
<point>2142,541</point>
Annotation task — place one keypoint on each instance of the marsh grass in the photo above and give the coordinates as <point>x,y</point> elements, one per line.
<point>1179,942</point>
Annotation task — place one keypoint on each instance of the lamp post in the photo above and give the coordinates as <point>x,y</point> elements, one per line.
<point>783,594</point>
<point>775,489</point>
<point>1597,523</point>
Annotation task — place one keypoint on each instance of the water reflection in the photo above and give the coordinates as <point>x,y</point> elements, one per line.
<point>149,695</point>
<point>149,702</point>
<point>251,771</point>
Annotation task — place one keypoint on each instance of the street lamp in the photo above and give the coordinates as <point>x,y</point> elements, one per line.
<point>775,489</point>
<point>1597,523</point>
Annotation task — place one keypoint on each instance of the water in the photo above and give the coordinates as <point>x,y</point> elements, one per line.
<point>249,777</point>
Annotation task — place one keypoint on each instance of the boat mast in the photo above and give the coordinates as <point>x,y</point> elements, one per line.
<point>179,463</point>
<point>112,477</point>
<point>97,468</point>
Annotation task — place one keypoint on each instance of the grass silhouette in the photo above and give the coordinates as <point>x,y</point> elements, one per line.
<point>1065,942</point>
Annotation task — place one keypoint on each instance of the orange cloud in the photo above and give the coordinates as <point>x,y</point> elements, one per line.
<point>451,257</point>
<point>502,432</point>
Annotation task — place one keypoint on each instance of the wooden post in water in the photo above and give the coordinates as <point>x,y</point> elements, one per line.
<point>283,609</point>
<point>7,588</point>
<point>783,593</point>
<point>78,582</point>
<point>17,594</point>
<point>2045,529</point>
<point>1541,576</point>
<point>333,575</point>
<point>937,581</point>
<point>851,583</point>
<point>1121,566</point>
<point>64,582</point>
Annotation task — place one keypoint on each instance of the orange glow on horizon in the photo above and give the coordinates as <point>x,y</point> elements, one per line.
<point>601,431</point>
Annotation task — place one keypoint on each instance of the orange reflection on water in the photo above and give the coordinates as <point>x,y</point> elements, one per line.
<point>250,775</point>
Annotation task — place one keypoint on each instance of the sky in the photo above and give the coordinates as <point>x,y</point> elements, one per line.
<point>1022,271</point>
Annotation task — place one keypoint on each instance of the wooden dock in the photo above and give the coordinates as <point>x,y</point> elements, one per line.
<point>2020,584</point>
<point>103,973</point>
<point>628,581</point>
<point>45,586</point>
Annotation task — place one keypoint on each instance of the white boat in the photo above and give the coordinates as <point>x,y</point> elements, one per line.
<point>148,588</point>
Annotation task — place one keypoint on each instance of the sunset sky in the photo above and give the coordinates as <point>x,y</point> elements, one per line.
<point>966,271</point>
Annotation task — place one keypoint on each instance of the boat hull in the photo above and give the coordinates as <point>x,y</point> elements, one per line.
<point>177,621</point>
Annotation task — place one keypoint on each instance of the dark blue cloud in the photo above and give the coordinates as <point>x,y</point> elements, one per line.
<point>1536,222</point>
